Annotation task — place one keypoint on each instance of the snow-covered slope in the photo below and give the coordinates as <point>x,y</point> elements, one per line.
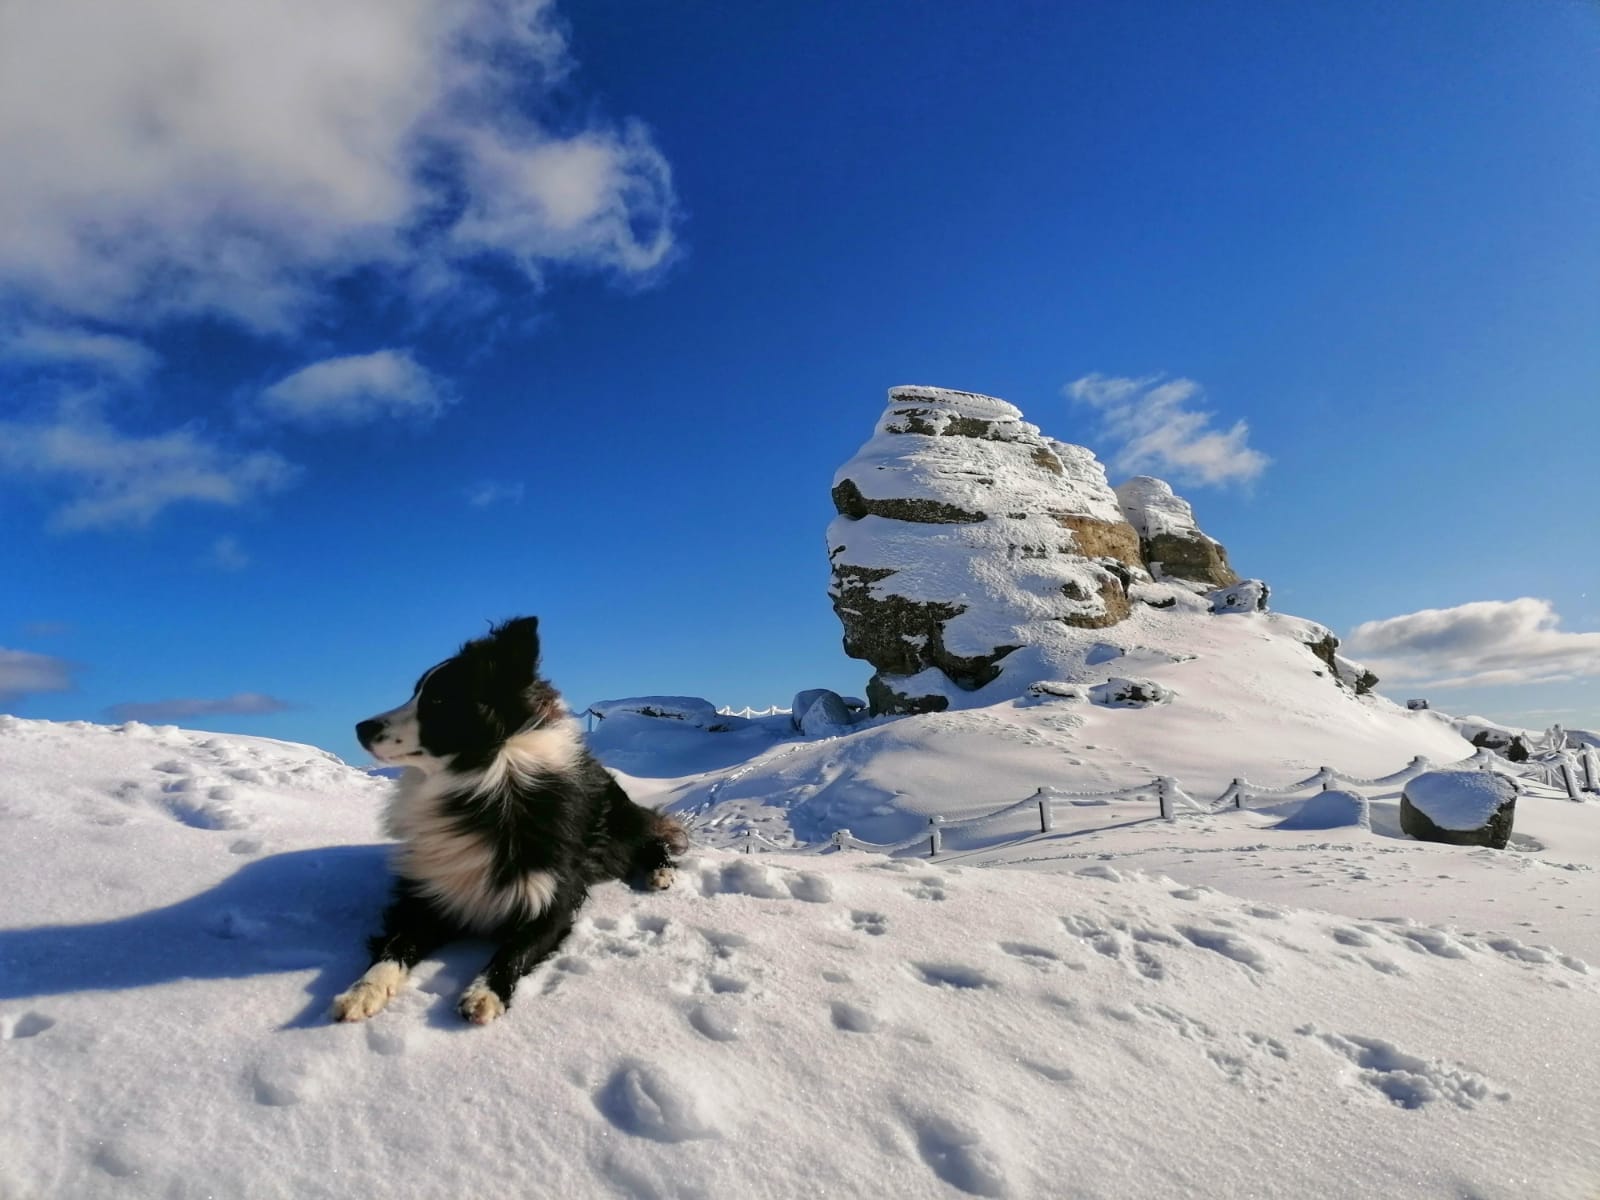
<point>180,907</point>
<point>1247,699</point>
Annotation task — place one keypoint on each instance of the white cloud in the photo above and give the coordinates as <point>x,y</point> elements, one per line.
<point>357,388</point>
<point>482,495</point>
<point>105,353</point>
<point>1485,642</point>
<point>228,555</point>
<point>170,158</point>
<point>241,704</point>
<point>23,673</point>
<point>116,479</point>
<point>1160,432</point>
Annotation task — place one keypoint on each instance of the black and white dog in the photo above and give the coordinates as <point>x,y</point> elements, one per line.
<point>504,822</point>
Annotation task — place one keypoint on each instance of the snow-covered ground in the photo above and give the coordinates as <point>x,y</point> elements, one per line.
<point>1280,1001</point>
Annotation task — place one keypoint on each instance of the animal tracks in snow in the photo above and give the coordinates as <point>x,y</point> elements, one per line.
<point>1406,1080</point>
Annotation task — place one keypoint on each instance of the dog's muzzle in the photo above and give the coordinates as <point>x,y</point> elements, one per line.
<point>366,731</point>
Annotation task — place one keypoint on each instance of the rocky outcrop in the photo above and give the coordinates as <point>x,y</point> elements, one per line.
<point>1461,808</point>
<point>1171,544</point>
<point>963,535</point>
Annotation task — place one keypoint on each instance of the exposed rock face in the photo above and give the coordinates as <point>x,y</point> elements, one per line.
<point>1462,808</point>
<point>1170,543</point>
<point>963,535</point>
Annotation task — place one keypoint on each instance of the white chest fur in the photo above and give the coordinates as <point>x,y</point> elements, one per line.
<point>453,867</point>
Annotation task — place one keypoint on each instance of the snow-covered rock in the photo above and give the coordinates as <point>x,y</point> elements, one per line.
<point>963,535</point>
<point>1129,693</point>
<point>1248,595</point>
<point>689,710</point>
<point>1463,808</point>
<point>1171,544</point>
<point>819,712</point>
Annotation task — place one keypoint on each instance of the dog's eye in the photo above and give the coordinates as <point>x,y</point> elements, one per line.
<point>432,701</point>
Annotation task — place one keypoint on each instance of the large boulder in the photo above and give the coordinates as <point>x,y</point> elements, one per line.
<point>818,712</point>
<point>1462,808</point>
<point>963,535</point>
<point>1171,544</point>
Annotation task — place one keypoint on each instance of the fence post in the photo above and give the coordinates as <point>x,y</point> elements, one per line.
<point>1046,814</point>
<point>1591,770</point>
<point>839,836</point>
<point>1164,797</point>
<point>935,835</point>
<point>1569,779</point>
<point>749,840</point>
<point>1238,793</point>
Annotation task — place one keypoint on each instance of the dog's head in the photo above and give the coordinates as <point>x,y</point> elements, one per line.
<point>462,710</point>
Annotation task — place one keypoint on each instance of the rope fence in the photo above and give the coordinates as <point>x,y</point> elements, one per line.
<point>1575,773</point>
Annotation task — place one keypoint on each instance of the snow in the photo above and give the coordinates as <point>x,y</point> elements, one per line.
<point>1151,507</point>
<point>1246,596</point>
<point>1460,799</point>
<point>1222,1005</point>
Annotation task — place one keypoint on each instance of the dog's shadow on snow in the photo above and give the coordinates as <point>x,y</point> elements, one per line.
<point>305,909</point>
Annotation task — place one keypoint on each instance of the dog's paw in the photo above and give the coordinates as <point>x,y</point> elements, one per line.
<point>369,994</point>
<point>479,1004</point>
<point>660,879</point>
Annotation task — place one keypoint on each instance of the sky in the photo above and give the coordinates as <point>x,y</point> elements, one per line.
<point>328,335</point>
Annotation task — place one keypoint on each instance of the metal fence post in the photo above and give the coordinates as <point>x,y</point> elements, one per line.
<point>935,835</point>
<point>1046,814</point>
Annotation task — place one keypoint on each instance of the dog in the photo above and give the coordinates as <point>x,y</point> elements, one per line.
<point>504,822</point>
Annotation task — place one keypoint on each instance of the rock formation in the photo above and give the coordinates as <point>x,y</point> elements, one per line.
<point>1170,543</point>
<point>964,534</point>
<point>1461,808</point>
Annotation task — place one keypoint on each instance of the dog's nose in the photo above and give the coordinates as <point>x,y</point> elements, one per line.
<point>366,731</point>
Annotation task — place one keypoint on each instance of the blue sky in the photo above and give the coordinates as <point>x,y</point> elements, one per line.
<point>324,341</point>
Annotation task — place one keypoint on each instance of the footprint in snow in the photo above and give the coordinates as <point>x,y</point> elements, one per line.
<point>1229,945</point>
<point>952,975</point>
<point>1034,956</point>
<point>715,1022</point>
<point>646,1101</point>
<point>1406,1080</point>
<point>957,1154</point>
<point>852,1018</point>
<point>874,923</point>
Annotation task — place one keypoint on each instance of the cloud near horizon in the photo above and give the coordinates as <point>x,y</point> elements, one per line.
<point>24,673</point>
<point>355,388</point>
<point>241,704</point>
<point>1158,431</point>
<point>1482,643</point>
<point>181,158</point>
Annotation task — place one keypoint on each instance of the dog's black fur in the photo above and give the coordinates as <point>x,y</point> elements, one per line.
<point>505,822</point>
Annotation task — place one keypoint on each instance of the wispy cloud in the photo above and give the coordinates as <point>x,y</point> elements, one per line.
<point>1160,430</point>
<point>113,479</point>
<point>482,495</point>
<point>183,158</point>
<point>356,388</point>
<point>241,704</point>
<point>23,673</point>
<point>44,629</point>
<point>227,555</point>
<point>64,346</point>
<point>1485,642</point>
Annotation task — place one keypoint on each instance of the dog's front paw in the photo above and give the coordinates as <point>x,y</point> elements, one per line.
<point>369,995</point>
<point>660,879</point>
<point>479,1003</point>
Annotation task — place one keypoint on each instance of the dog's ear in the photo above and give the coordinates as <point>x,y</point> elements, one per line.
<point>518,640</point>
